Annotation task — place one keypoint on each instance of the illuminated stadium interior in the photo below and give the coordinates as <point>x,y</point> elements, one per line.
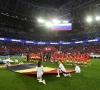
<point>53,32</point>
<point>27,20</point>
<point>23,15</point>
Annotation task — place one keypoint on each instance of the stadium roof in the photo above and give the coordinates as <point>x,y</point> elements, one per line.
<point>48,3</point>
<point>31,10</point>
<point>48,8</point>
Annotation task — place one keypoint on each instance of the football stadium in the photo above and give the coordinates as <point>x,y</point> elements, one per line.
<point>49,44</point>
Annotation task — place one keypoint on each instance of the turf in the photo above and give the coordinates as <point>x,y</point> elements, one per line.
<point>88,80</point>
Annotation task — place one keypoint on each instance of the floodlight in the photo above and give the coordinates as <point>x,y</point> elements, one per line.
<point>98,18</point>
<point>48,24</point>
<point>41,20</point>
<point>65,21</point>
<point>56,21</point>
<point>89,19</point>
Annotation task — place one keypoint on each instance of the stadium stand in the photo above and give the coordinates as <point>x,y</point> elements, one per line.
<point>15,48</point>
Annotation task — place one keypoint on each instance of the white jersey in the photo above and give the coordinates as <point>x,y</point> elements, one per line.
<point>39,70</point>
<point>61,66</point>
<point>77,69</point>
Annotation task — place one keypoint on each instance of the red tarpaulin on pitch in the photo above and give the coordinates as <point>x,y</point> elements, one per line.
<point>49,49</point>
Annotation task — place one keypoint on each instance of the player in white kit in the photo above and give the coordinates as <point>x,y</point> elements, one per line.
<point>39,69</point>
<point>77,69</point>
<point>62,70</point>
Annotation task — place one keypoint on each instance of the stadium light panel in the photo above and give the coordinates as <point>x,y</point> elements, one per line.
<point>89,19</point>
<point>98,18</point>
<point>55,21</point>
<point>41,21</point>
<point>65,21</point>
<point>48,24</point>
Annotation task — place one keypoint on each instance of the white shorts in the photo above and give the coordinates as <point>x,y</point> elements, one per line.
<point>51,60</point>
<point>61,71</point>
<point>79,62</point>
<point>77,72</point>
<point>39,75</point>
<point>75,61</point>
<point>70,61</point>
<point>85,62</point>
<point>55,60</point>
<point>67,60</point>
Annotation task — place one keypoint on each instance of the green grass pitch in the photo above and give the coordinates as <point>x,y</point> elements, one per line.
<point>89,79</point>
